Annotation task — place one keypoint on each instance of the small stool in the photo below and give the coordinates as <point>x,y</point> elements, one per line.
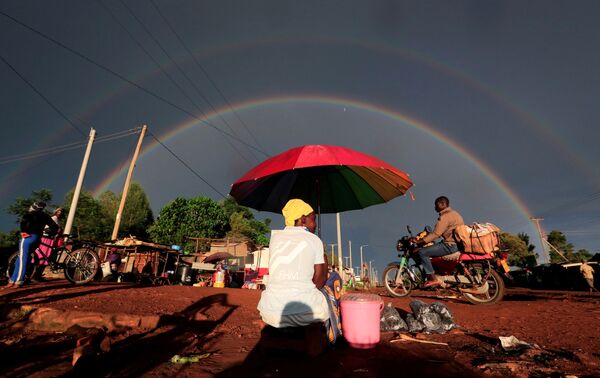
<point>309,340</point>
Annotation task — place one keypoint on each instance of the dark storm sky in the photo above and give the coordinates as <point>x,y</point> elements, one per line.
<point>496,89</point>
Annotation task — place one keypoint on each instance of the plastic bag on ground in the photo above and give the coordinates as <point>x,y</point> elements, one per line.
<point>413,324</point>
<point>430,318</point>
<point>391,320</point>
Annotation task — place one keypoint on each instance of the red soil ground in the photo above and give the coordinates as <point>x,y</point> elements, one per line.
<point>225,323</point>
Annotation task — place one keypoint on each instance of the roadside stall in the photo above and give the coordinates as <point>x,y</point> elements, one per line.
<point>131,259</point>
<point>231,254</point>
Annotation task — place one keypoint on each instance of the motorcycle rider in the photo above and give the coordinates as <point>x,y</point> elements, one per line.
<point>447,221</point>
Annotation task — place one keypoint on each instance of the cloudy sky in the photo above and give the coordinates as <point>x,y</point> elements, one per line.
<point>489,103</point>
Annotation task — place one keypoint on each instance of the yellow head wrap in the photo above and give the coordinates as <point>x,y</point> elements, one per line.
<point>294,209</point>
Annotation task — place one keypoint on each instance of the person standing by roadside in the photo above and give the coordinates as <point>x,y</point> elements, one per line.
<point>47,244</point>
<point>588,274</point>
<point>32,226</point>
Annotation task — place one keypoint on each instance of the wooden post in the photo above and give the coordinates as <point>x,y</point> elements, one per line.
<point>77,191</point>
<point>127,182</point>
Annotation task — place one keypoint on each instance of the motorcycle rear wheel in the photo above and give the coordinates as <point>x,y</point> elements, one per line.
<point>401,289</point>
<point>494,294</point>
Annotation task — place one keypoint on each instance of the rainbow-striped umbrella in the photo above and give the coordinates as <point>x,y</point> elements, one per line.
<point>332,179</point>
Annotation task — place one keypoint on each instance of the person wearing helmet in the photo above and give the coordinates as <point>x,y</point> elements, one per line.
<point>32,226</point>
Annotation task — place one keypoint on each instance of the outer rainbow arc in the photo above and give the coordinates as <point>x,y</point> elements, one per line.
<point>410,55</point>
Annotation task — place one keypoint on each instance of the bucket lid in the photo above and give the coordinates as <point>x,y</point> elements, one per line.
<point>359,297</point>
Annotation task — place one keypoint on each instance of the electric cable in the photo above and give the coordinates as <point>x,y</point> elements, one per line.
<point>205,72</point>
<point>39,93</point>
<point>66,147</point>
<point>186,165</point>
<point>125,79</point>
<point>185,75</point>
<point>156,63</point>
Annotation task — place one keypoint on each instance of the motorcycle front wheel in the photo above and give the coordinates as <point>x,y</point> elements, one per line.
<point>397,283</point>
<point>494,294</point>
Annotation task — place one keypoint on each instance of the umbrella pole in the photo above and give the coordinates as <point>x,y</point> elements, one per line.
<point>318,208</point>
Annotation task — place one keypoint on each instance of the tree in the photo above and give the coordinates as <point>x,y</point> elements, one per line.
<point>110,204</point>
<point>518,252</point>
<point>21,205</point>
<point>90,220</point>
<point>242,223</point>
<point>583,255</point>
<point>195,217</point>
<point>9,240</point>
<point>559,241</point>
<point>137,215</point>
<point>523,236</point>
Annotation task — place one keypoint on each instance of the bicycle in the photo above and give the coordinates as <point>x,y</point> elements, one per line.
<point>78,260</point>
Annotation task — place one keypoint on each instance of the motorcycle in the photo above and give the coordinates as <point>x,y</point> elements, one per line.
<point>475,276</point>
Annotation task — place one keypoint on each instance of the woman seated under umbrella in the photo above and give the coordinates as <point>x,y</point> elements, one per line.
<point>299,291</point>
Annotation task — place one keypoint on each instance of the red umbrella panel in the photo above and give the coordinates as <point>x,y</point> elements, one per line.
<point>331,178</point>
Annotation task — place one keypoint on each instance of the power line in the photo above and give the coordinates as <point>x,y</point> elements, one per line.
<point>574,203</point>
<point>159,66</point>
<point>63,148</point>
<point>146,52</point>
<point>186,165</point>
<point>205,72</point>
<point>39,93</point>
<point>123,78</point>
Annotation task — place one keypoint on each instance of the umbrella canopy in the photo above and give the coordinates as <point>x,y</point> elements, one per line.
<point>217,256</point>
<point>332,179</point>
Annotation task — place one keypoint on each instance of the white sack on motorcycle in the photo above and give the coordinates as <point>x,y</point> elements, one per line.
<point>479,238</point>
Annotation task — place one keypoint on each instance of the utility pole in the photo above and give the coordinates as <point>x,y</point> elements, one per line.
<point>350,252</point>
<point>77,191</point>
<point>542,238</point>
<point>362,270</point>
<point>332,261</point>
<point>127,182</point>
<point>371,271</point>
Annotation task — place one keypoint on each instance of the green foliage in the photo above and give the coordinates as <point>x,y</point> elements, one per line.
<point>582,255</point>
<point>559,241</point>
<point>21,205</point>
<point>90,222</point>
<point>137,215</point>
<point>204,218</point>
<point>195,217</point>
<point>523,236</point>
<point>9,240</point>
<point>518,251</point>
<point>110,204</point>
<point>242,223</point>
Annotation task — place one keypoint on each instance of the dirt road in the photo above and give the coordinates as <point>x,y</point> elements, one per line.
<point>147,326</point>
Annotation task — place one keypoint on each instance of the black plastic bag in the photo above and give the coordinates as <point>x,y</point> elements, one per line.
<point>413,324</point>
<point>430,318</point>
<point>391,320</point>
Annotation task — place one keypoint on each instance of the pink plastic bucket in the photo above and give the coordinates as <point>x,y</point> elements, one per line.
<point>361,314</point>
